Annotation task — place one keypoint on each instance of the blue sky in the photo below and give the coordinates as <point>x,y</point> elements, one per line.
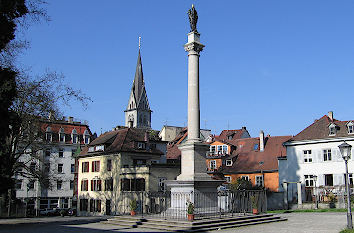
<point>267,65</point>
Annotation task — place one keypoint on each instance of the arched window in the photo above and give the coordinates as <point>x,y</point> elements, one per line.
<point>61,135</point>
<point>87,137</point>
<point>48,134</point>
<point>74,136</point>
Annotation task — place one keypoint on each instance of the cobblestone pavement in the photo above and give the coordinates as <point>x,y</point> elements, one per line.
<point>297,222</point>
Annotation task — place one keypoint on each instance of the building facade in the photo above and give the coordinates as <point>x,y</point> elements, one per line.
<point>119,163</point>
<point>314,152</point>
<point>55,162</point>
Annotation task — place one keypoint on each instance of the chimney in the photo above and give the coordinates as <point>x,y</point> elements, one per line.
<point>70,119</point>
<point>261,141</point>
<point>330,115</point>
<point>51,116</point>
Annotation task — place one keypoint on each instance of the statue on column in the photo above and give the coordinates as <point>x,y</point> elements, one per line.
<point>193,18</point>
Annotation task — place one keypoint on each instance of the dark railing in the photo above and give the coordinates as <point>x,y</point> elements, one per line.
<point>206,204</point>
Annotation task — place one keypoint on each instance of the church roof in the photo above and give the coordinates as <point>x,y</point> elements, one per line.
<point>138,84</point>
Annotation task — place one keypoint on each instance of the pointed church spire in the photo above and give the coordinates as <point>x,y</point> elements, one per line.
<point>138,113</point>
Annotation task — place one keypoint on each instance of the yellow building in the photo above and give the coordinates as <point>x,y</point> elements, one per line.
<point>121,165</point>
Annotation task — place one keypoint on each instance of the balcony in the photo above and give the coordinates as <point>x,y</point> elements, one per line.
<point>216,154</point>
<point>135,170</point>
<point>212,170</point>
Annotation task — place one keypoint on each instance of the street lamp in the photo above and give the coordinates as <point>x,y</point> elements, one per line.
<point>345,150</point>
<point>315,191</point>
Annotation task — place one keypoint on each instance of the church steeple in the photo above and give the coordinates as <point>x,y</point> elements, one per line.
<point>138,113</point>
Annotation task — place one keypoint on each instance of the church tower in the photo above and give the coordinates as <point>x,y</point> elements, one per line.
<point>138,113</point>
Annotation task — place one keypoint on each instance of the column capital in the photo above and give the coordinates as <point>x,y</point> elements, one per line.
<point>194,47</point>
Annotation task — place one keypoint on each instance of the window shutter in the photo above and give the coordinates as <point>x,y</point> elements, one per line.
<point>320,180</point>
<point>98,166</point>
<point>338,179</point>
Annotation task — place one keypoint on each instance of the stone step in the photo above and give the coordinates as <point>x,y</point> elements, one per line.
<point>197,225</point>
<point>222,223</point>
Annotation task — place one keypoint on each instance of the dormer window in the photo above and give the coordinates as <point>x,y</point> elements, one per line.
<point>61,135</point>
<point>87,137</point>
<point>332,129</point>
<point>229,162</point>
<point>141,145</point>
<point>99,148</point>
<point>74,136</point>
<point>350,127</point>
<point>48,134</point>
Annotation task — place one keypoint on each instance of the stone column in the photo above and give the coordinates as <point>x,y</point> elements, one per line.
<point>193,47</point>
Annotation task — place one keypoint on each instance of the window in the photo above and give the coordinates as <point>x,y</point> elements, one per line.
<point>328,179</point>
<point>48,134</point>
<point>229,162</point>
<point>137,184</point>
<point>61,152</point>
<point>85,166</point>
<point>332,130</point>
<point>219,149</point>
<point>141,145</point>
<point>307,156</point>
<point>61,135</point>
<point>212,149</point>
<point>18,184</point>
<point>99,148</point>
<point>71,184</point>
<point>59,184</point>
<point>95,205</point>
<point>91,149</point>
<point>109,164</point>
<point>84,185</point>
<point>309,181</point>
<point>162,185</point>
<point>86,137</point>
<point>212,164</point>
<point>96,185</point>
<point>245,178</point>
<point>83,204</point>
<point>327,155</point>
<point>30,185</point>
<point>60,168</point>
<point>72,168</point>
<point>255,146</point>
<point>350,178</point>
<point>95,166</point>
<point>74,136</point>
<point>259,181</point>
<point>228,179</point>
<point>108,184</point>
<point>47,152</point>
<point>350,127</point>
<point>224,149</point>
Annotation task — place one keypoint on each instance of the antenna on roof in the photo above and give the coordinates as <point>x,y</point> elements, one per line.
<point>139,42</point>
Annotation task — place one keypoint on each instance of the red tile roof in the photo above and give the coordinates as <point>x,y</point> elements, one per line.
<point>247,159</point>
<point>235,133</point>
<point>320,130</point>
<point>124,140</point>
<point>68,128</point>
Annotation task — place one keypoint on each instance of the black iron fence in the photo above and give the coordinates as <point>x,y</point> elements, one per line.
<point>206,204</point>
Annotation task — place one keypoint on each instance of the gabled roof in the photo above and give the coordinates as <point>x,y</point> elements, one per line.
<point>235,133</point>
<point>320,130</point>
<point>247,160</point>
<point>124,140</point>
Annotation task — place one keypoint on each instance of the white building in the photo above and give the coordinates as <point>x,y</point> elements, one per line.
<point>314,152</point>
<point>54,164</point>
